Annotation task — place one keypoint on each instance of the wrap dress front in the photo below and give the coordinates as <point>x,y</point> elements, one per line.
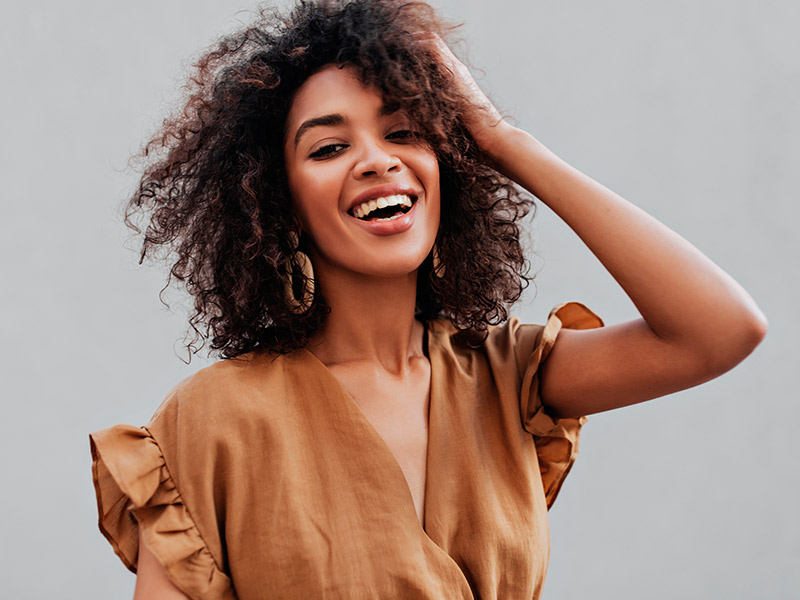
<point>260,477</point>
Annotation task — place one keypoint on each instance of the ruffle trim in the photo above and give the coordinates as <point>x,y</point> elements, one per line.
<point>556,439</point>
<point>134,488</point>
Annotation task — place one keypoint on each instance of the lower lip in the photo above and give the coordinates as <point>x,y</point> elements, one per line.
<point>391,226</point>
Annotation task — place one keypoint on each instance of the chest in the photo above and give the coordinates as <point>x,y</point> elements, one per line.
<point>398,410</point>
<point>320,507</point>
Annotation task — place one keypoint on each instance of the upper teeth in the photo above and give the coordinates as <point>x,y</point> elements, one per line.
<point>363,209</point>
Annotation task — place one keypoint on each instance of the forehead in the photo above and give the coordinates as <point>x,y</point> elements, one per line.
<point>331,90</point>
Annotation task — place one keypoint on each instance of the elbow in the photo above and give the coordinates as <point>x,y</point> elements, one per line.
<point>753,330</point>
<point>740,341</point>
<point>758,328</point>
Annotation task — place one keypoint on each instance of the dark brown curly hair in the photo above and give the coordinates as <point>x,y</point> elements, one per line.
<point>214,196</point>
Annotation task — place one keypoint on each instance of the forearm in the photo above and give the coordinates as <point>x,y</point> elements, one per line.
<point>682,295</point>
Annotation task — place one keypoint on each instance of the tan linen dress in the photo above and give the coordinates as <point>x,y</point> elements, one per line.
<point>260,477</point>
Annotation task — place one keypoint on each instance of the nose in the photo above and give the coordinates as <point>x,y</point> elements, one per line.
<point>376,159</point>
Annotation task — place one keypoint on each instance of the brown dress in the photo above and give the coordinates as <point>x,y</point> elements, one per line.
<point>260,477</point>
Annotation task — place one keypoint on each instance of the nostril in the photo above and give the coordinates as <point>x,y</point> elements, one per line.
<point>377,162</point>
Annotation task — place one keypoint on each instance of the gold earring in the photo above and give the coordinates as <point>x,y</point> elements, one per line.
<point>301,261</point>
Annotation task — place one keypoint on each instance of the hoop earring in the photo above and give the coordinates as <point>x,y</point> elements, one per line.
<point>301,261</point>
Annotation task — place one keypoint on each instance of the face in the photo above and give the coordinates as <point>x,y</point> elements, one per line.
<point>364,189</point>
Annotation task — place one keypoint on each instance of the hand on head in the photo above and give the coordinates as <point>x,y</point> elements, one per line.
<point>484,121</point>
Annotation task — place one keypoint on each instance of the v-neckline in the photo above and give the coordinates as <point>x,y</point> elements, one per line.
<point>361,415</point>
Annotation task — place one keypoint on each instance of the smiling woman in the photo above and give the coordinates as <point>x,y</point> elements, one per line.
<point>341,199</point>
<point>365,188</point>
<point>217,191</point>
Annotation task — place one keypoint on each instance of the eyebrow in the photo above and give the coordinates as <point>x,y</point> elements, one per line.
<point>333,120</point>
<point>323,121</point>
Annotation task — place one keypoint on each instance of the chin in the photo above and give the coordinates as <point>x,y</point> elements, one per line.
<point>393,270</point>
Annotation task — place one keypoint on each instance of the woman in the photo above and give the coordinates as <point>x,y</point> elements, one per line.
<point>338,195</point>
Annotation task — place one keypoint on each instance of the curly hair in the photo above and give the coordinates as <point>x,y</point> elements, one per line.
<point>214,198</point>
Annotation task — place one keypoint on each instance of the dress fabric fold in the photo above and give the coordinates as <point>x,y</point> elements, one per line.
<point>135,490</point>
<point>259,477</point>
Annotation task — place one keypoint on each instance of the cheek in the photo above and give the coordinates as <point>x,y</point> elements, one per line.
<point>308,214</point>
<point>430,173</point>
<point>426,167</point>
<point>308,194</point>
<point>433,170</point>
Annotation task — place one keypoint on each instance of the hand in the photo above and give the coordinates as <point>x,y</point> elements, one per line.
<point>483,120</point>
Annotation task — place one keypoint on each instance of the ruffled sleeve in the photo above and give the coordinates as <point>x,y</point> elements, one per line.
<point>134,489</point>
<point>556,440</point>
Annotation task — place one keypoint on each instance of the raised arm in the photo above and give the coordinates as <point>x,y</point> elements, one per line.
<point>697,322</point>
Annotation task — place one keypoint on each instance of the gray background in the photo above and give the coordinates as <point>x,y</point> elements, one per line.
<point>688,108</point>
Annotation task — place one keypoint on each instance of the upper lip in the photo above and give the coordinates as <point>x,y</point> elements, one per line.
<point>382,191</point>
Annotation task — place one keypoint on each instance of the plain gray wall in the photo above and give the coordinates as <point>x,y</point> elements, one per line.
<point>687,108</point>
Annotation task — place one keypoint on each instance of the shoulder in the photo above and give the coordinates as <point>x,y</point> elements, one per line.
<point>224,390</point>
<point>499,339</point>
<point>512,345</point>
<point>495,352</point>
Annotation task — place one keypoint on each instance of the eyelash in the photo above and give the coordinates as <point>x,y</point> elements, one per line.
<point>327,150</point>
<point>406,134</point>
<point>330,150</point>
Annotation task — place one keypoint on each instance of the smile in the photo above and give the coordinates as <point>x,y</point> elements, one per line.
<point>385,208</point>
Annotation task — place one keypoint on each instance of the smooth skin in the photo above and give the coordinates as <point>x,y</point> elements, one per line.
<point>696,321</point>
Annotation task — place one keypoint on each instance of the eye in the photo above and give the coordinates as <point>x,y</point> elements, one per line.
<point>327,151</point>
<point>402,135</point>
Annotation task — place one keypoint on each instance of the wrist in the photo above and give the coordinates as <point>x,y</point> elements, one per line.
<point>493,137</point>
<point>504,143</point>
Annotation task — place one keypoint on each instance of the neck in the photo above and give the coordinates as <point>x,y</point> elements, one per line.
<point>371,320</point>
